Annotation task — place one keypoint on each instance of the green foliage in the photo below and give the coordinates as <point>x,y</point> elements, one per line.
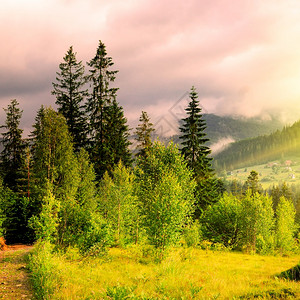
<point>96,237</point>
<point>45,224</point>
<point>261,149</point>
<point>70,93</point>
<point>54,158</point>
<point>103,112</point>
<point>44,274</point>
<point>15,211</point>
<point>165,190</point>
<point>285,225</point>
<point>242,223</point>
<point>194,138</point>
<point>222,221</point>
<point>192,234</point>
<point>13,153</point>
<point>86,194</point>
<point>119,204</point>
<point>116,133</point>
<point>197,155</point>
<point>120,292</point>
<point>291,274</point>
<point>252,183</point>
<point>143,134</point>
<point>258,222</point>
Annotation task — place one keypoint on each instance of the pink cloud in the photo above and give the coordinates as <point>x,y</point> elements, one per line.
<point>242,56</point>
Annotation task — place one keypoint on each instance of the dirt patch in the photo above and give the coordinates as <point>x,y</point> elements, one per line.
<point>14,276</point>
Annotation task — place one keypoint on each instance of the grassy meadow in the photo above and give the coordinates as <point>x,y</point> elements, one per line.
<point>187,273</point>
<point>271,173</point>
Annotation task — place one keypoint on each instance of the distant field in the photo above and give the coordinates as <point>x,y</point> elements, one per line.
<point>270,173</point>
<point>185,274</point>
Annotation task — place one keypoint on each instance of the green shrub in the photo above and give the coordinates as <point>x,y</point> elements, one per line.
<point>192,234</point>
<point>96,238</point>
<point>44,274</point>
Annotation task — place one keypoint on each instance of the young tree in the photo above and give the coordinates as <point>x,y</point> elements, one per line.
<point>102,95</point>
<point>70,93</point>
<point>258,222</point>
<point>54,160</point>
<point>222,221</point>
<point>285,225</point>
<point>119,205</point>
<point>196,153</point>
<point>13,153</point>
<point>252,183</point>
<point>165,191</point>
<point>143,134</point>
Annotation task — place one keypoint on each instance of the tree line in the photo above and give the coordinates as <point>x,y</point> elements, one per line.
<point>75,183</point>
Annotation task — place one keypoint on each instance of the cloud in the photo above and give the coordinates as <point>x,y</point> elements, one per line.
<point>240,55</point>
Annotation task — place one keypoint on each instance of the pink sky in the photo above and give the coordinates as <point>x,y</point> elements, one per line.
<point>242,56</point>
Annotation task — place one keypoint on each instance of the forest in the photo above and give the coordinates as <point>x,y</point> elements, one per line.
<point>261,149</point>
<point>75,189</point>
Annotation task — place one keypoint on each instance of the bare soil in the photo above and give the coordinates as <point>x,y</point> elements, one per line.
<point>14,276</point>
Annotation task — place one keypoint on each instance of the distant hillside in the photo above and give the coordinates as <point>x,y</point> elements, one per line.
<point>238,128</point>
<point>261,149</point>
<point>234,128</point>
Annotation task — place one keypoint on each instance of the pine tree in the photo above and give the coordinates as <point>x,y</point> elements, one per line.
<point>196,153</point>
<point>194,137</point>
<point>143,134</point>
<point>117,133</point>
<point>102,96</point>
<point>13,154</point>
<point>70,93</point>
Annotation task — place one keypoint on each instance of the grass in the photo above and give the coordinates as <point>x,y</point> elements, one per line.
<point>267,175</point>
<point>184,274</point>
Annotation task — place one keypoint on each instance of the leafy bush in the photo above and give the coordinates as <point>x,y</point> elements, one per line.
<point>44,274</point>
<point>192,234</point>
<point>165,189</point>
<point>222,222</point>
<point>46,223</point>
<point>96,237</point>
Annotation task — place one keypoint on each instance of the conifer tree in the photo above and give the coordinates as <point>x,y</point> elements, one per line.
<point>102,109</point>
<point>194,137</point>
<point>117,133</point>
<point>70,93</point>
<point>196,153</point>
<point>143,134</point>
<point>13,154</point>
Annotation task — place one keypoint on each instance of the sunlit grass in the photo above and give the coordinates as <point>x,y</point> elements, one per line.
<point>184,274</point>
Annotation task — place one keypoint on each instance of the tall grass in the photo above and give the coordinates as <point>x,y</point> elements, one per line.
<point>186,273</point>
<point>45,276</point>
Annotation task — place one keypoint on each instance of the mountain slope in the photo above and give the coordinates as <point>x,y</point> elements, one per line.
<point>261,149</point>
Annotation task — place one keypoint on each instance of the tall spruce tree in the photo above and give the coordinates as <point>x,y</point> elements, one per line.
<point>196,153</point>
<point>100,107</point>
<point>117,133</point>
<point>70,93</point>
<point>13,154</point>
<point>143,134</point>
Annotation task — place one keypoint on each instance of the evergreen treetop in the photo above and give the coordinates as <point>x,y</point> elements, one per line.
<point>13,153</point>
<point>143,134</point>
<point>194,137</point>
<point>70,93</point>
